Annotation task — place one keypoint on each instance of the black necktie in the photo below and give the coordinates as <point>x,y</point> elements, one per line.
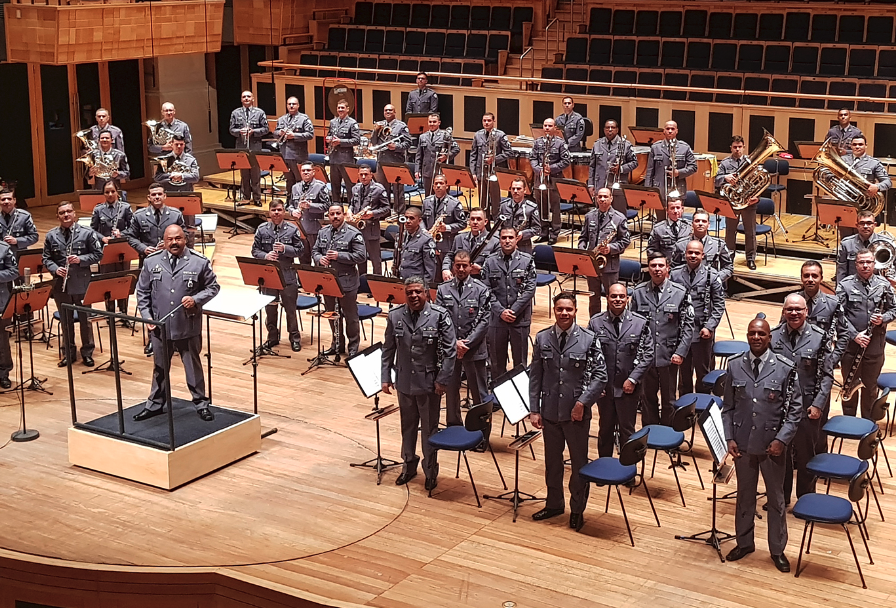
<point>616,323</point>
<point>809,305</point>
<point>363,194</point>
<point>415,314</point>
<point>507,259</point>
<point>460,287</point>
<point>600,219</point>
<point>305,186</point>
<point>562,341</point>
<point>67,234</point>
<point>693,276</point>
<point>173,263</point>
<point>656,293</point>
<point>6,218</point>
<point>793,336</point>
<point>675,229</point>
<point>756,363</point>
<point>158,215</point>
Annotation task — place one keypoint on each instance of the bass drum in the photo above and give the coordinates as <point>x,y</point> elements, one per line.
<point>519,161</point>
<point>641,153</point>
<point>579,167</point>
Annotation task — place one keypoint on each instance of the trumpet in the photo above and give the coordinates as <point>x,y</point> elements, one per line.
<point>385,144</point>
<point>671,188</point>
<point>358,223</point>
<point>438,235</point>
<point>600,261</point>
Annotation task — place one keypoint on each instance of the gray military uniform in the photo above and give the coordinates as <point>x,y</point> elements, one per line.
<point>398,155</point>
<point>117,136</point>
<point>9,272</point>
<point>849,247</point>
<point>573,127</point>
<point>489,193</point>
<point>184,182</point>
<point>603,155</point>
<point>455,220</point>
<point>418,256</point>
<point>671,318</point>
<point>708,300</point>
<point>147,229</point>
<point>315,192</point>
<point>422,354</point>
<point>349,135</point>
<point>659,163</point>
<point>843,137</point>
<point>20,225</point>
<point>628,353</point>
<point>349,242</point>
<point>526,215</point>
<point>428,148</point>
<point>757,410</point>
<point>119,161</point>
<point>178,127</point>
<point>558,159</point>
<point>469,306</point>
<point>715,255</point>
<point>858,303</point>
<point>266,236</point>
<point>257,121</point>
<point>372,196</point>
<point>822,309</point>
<point>597,227</point>
<point>747,215</point>
<point>164,281</point>
<point>105,218</point>
<point>565,370</point>
<point>512,283</point>
<point>422,101</point>
<point>664,236</point>
<point>806,349</point>
<point>85,244</point>
<point>294,151</point>
<point>465,241</point>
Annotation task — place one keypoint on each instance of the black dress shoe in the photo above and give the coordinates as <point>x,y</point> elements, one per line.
<point>552,241</point>
<point>206,414</point>
<point>781,563</point>
<point>5,383</point>
<point>330,351</point>
<point>62,363</point>
<point>576,521</point>
<point>751,264</point>
<point>547,514</point>
<point>431,483</point>
<point>147,414</point>
<point>296,347</point>
<point>541,239</point>
<point>147,350</point>
<point>738,553</point>
<point>88,361</point>
<point>269,344</point>
<point>404,478</point>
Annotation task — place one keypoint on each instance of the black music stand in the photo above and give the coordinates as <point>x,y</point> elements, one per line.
<point>31,263</point>
<point>263,274</point>
<point>574,191</point>
<point>386,289</point>
<point>806,150</point>
<point>645,136</point>
<point>26,299</point>
<point>417,123</point>
<point>274,162</point>
<point>398,173</point>
<point>88,199</point>
<point>366,369</point>
<point>508,176</point>
<point>460,177</point>
<point>351,170</point>
<point>512,392</point>
<point>326,284</point>
<point>577,262</point>
<point>232,160</point>
<point>833,213</point>
<point>641,198</point>
<point>718,206</point>
<point>108,288</point>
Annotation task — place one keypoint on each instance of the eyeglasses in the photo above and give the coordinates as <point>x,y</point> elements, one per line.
<point>865,263</point>
<point>788,310</point>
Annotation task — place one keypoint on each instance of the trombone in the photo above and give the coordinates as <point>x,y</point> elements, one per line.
<point>545,166</point>
<point>671,187</point>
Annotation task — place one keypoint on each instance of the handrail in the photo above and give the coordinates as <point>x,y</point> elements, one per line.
<point>280,64</point>
<point>523,56</point>
<point>555,20</point>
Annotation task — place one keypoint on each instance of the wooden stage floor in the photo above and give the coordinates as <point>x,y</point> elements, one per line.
<point>296,518</point>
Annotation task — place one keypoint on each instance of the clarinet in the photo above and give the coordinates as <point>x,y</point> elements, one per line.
<point>707,296</point>
<point>822,352</point>
<point>68,253</point>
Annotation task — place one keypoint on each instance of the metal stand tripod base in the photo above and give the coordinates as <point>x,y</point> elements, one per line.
<point>108,366</point>
<point>514,496</point>
<point>24,435</point>
<point>261,351</point>
<point>31,384</point>
<point>378,463</point>
<point>321,360</point>
<point>714,538</point>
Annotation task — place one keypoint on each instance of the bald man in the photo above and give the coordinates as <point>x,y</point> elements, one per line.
<point>294,130</point>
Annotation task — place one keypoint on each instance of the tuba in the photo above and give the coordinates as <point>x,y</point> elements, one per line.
<point>159,135</point>
<point>838,179</point>
<point>754,178</point>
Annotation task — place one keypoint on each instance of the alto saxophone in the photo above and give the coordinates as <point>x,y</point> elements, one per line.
<point>438,236</point>
<point>358,223</point>
<point>600,259</point>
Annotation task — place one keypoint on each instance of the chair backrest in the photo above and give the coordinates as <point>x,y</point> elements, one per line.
<point>635,448</point>
<point>589,128</point>
<point>478,417</point>
<point>544,258</point>
<point>685,417</point>
<point>867,449</point>
<point>859,484</point>
<point>880,406</point>
<point>765,206</point>
<point>718,388</point>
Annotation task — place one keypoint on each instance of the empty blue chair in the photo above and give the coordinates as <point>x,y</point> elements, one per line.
<point>669,439</point>
<point>709,381</point>
<point>725,349</point>
<point>306,302</point>
<point>366,312</point>
<point>841,467</point>
<point>629,271</point>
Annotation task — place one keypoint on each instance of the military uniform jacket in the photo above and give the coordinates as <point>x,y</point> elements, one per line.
<point>671,319</point>
<point>187,178</point>
<point>316,194</point>
<point>849,247</point>
<point>707,296</point>
<point>727,167</point>
<point>255,119</point>
<point>399,154</point>
<point>597,228</point>
<point>421,354</point>
<point>757,411</point>
<point>428,148</point>
<point>524,214</point>
<point>422,102</point>
<point>512,285</point>
<point>106,217</point>
<point>146,230</point>
<point>178,127</point>
<point>810,349</point>
<point>418,256</point>
<point>479,150</point>
<point>843,137</point>
<point>349,242</point>
<point>286,233</point>
<point>662,237</point>
<point>117,136</point>
<point>715,254</point>
<point>629,355</point>
<point>349,135</point>
<point>604,154</point>
<point>658,162</point>
<point>557,379</point>
<point>299,125</point>
<point>455,218</point>
<point>822,309</point>
<point>85,243</point>
<point>573,127</point>
<point>558,157</point>
<point>469,308</point>
<point>118,160</point>
<point>21,226</point>
<point>465,241</point>
<point>9,272</point>
<point>871,169</point>
<point>161,289</point>
<point>373,196</point>
<point>857,303</point>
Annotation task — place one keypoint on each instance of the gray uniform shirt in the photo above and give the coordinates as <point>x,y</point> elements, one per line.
<point>479,150</point>
<point>523,215</point>
<point>663,237</point>
<point>857,302</point>
<point>558,156</point>
<point>455,218</point>
<point>810,350</point>
<point>9,272</point>
<point>349,135</point>
<point>349,242</point>
<point>715,254</point>
<point>628,354</point>
<point>106,217</point>
<point>512,283</point>
<point>671,318</point>
<point>465,241</point>
<point>849,247</point>
<point>374,197</point>
<point>843,137</point>
<point>428,148</point>
<point>399,154</point>
<point>81,242</point>
<point>597,227</point>
<point>573,127</point>
<point>418,256</point>
<point>117,136</point>
<point>266,236</point>
<point>659,162</point>
<point>421,353</point>
<point>178,127</point>
<point>871,169</point>
<point>315,192</point>
<point>728,166</point>
<point>707,296</point>
<point>469,306</point>
<point>20,225</point>
<point>148,229</point>
<point>603,154</point>
<point>188,176</point>
<point>255,119</point>
<point>303,131</point>
<point>422,102</point>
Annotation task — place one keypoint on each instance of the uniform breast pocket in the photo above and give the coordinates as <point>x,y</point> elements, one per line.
<point>738,387</point>
<point>807,363</point>
<point>577,361</point>
<point>772,390</point>
<point>413,250</point>
<point>851,257</point>
<point>547,353</point>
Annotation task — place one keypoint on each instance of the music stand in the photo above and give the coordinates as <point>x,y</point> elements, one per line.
<point>263,274</point>
<point>25,299</point>
<point>326,284</point>
<point>274,162</point>
<point>366,368</point>
<point>832,212</point>
<point>641,198</point>
<point>232,160</point>
<point>806,150</point>
<point>458,176</point>
<point>507,176</point>
<point>512,392</point>
<point>88,199</point>
<point>718,206</point>
<point>31,262</point>
<point>645,136</point>
<point>189,203</point>
<point>417,123</point>
<point>386,289</point>
<point>536,129</point>
<point>107,288</point>
<point>577,262</point>
<point>397,173</point>
<point>320,174</point>
<point>352,171</point>
<point>574,191</point>
<point>710,422</point>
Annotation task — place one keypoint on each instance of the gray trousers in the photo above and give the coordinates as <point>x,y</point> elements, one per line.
<point>308,245</point>
<point>748,217</point>
<point>395,192</point>
<point>808,442</point>
<point>287,297</point>
<point>293,176</point>
<point>338,175</point>
<point>594,284</point>
<point>660,380</point>
<point>493,204</point>
<point>476,382</point>
<point>250,184</point>
<point>189,349</point>
<point>427,185</point>
<point>615,411</point>
<point>549,206</point>
<point>499,335</point>
<point>348,308</point>
<point>419,411</point>
<point>557,435</point>
<point>869,371</point>
<point>5,351</point>
<point>375,255</point>
<point>747,468</point>
<point>699,361</point>
<point>619,203</point>
<point>68,326</point>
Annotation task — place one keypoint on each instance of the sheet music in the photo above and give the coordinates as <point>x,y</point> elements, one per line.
<point>366,367</point>
<point>513,396</point>
<point>236,303</point>
<point>714,431</point>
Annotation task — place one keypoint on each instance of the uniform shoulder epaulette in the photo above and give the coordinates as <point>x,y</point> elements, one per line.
<point>637,315</point>
<point>156,253</point>
<point>548,328</point>
<point>196,253</point>
<point>478,282</point>
<point>780,325</point>
<point>587,331</point>
<point>439,308</point>
<point>785,360</point>
<point>397,308</point>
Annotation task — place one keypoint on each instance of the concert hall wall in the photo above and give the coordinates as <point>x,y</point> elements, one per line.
<point>16,137</point>
<point>127,103</point>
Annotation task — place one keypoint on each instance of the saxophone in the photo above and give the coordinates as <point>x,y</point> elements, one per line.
<point>440,222</point>
<point>600,259</point>
<point>358,223</point>
<point>853,382</point>
<point>754,178</point>
<point>837,178</point>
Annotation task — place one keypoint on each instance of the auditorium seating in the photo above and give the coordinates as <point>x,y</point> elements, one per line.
<point>443,16</point>
<point>472,67</point>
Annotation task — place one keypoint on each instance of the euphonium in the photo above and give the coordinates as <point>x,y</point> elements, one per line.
<point>837,178</point>
<point>754,178</point>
